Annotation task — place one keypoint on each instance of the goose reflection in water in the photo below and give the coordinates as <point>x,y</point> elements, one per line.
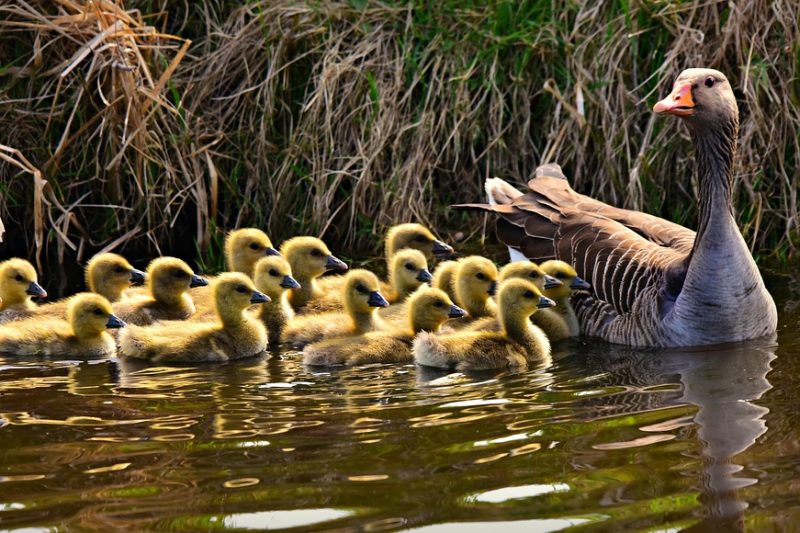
<point>724,383</point>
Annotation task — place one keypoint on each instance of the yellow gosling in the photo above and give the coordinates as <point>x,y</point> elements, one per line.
<point>18,283</point>
<point>407,272</point>
<point>415,236</point>
<point>309,258</point>
<point>444,276</point>
<point>233,335</point>
<point>518,344</point>
<point>570,280</point>
<point>168,279</point>
<point>273,277</point>
<point>83,334</point>
<point>362,298</point>
<point>110,274</point>
<point>428,309</point>
<point>475,283</point>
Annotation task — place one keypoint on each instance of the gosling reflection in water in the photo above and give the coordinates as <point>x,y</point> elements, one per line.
<point>723,382</point>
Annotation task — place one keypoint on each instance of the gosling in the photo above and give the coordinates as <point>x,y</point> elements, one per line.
<point>309,258</point>
<point>18,283</point>
<point>273,277</point>
<point>475,283</point>
<point>570,280</point>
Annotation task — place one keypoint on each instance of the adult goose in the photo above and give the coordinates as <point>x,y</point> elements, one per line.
<point>654,283</point>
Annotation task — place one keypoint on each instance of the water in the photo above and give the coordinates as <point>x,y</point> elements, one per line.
<point>605,439</point>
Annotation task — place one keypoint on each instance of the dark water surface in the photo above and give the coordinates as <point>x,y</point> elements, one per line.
<point>606,438</point>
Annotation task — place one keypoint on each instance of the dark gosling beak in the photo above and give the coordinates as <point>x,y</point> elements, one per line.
<point>272,251</point>
<point>440,248</point>
<point>551,283</point>
<point>137,276</point>
<point>259,298</point>
<point>34,289</point>
<point>424,276</point>
<point>114,322</point>
<point>289,283</point>
<point>492,288</point>
<point>197,281</point>
<point>579,284</point>
<point>334,263</point>
<point>456,312</point>
<point>376,299</point>
<point>545,302</point>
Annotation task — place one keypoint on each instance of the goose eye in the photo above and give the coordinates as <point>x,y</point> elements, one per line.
<point>97,312</point>
<point>273,272</point>
<point>710,82</point>
<point>119,270</point>
<point>409,266</point>
<point>254,246</point>
<point>528,294</point>
<point>481,276</point>
<point>420,238</point>
<point>534,275</point>
<point>316,253</point>
<point>241,289</point>
<point>181,274</point>
<point>362,289</point>
<point>19,278</point>
<point>560,275</point>
<point>439,304</point>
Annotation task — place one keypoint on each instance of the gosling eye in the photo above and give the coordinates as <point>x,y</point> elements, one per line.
<point>181,274</point>
<point>528,294</point>
<point>98,312</point>
<point>481,276</point>
<point>710,82</point>
<point>316,253</point>
<point>534,275</point>
<point>420,238</point>
<point>362,289</point>
<point>120,269</point>
<point>409,266</point>
<point>560,275</point>
<point>254,246</point>
<point>439,304</point>
<point>273,272</point>
<point>241,289</point>
<point>19,278</point>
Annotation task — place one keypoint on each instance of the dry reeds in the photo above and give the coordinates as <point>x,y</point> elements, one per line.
<point>339,119</point>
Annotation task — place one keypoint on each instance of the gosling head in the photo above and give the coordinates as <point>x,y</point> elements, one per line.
<point>169,277</point>
<point>234,292</point>
<point>244,247</point>
<point>408,270</point>
<point>476,279</point>
<point>362,292</point>
<point>110,274</point>
<point>704,99</point>
<point>564,273</point>
<point>309,257</point>
<point>530,271</point>
<point>90,314</point>
<point>429,308</point>
<point>273,276</point>
<point>521,298</point>
<point>18,282</point>
<point>415,236</point>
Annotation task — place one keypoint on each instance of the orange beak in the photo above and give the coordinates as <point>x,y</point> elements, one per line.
<point>679,102</point>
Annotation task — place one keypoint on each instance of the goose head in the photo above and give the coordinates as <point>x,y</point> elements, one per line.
<point>564,273</point>
<point>475,280</point>
<point>701,96</point>
<point>310,258</point>
<point>90,314</point>
<point>168,278</point>
<point>18,282</point>
<point>530,271</point>
<point>234,292</point>
<point>415,236</point>
<point>361,292</point>
<point>519,299</point>
<point>273,276</point>
<point>408,270</point>
<point>110,274</point>
<point>429,308</point>
<point>244,247</point>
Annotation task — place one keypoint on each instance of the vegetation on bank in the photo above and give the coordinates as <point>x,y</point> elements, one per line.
<point>153,124</point>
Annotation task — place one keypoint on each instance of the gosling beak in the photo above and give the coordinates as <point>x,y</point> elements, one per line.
<point>679,102</point>
<point>492,290</point>
<point>114,322</point>
<point>259,298</point>
<point>551,283</point>
<point>376,299</point>
<point>197,281</point>
<point>545,302</point>
<point>579,283</point>
<point>334,263</point>
<point>137,276</point>
<point>424,276</point>
<point>289,283</point>
<point>34,289</point>
<point>440,248</point>
<point>456,312</point>
<point>272,251</point>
